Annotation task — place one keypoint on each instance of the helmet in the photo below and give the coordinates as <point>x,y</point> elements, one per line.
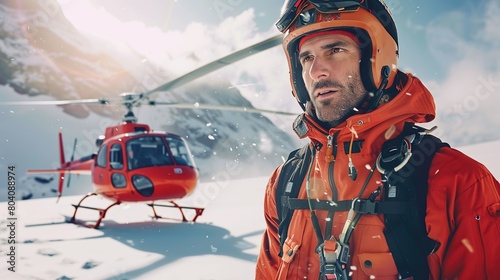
<point>369,20</point>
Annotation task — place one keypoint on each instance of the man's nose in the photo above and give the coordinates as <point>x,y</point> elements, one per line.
<point>319,69</point>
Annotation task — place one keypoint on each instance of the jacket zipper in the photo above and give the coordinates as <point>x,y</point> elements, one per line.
<point>332,142</point>
<point>331,153</point>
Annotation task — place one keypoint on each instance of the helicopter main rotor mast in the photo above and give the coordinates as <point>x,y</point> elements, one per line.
<point>128,101</point>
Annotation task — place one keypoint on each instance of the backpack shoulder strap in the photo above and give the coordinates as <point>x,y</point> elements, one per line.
<point>289,182</point>
<point>406,234</point>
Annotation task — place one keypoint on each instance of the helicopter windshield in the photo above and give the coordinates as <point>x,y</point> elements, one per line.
<point>152,151</point>
<point>147,151</point>
<point>180,151</point>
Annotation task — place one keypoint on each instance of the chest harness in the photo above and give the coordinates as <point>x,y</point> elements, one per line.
<point>404,163</point>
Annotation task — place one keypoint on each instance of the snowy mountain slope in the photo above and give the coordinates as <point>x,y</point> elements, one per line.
<point>42,55</point>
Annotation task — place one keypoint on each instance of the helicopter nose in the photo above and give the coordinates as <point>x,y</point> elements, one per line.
<point>164,182</point>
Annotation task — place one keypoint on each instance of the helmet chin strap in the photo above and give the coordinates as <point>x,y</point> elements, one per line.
<point>386,71</point>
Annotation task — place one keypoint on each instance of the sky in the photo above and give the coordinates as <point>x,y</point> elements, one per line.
<point>418,21</point>
<point>222,245</point>
<point>454,49</point>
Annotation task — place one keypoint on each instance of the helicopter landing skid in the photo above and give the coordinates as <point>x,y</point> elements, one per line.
<point>198,210</point>
<point>102,212</point>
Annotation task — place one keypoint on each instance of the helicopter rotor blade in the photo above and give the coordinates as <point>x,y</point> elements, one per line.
<point>219,107</point>
<point>99,101</point>
<point>134,99</point>
<point>217,64</point>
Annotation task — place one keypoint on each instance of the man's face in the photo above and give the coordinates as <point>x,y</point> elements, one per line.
<point>330,69</point>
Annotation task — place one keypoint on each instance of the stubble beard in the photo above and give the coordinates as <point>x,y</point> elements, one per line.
<point>351,96</point>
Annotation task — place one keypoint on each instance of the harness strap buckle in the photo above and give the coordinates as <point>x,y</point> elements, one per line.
<point>328,258</point>
<point>334,256</point>
<point>330,251</point>
<point>366,206</point>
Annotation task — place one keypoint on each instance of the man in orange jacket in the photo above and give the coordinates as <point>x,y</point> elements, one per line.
<point>342,57</point>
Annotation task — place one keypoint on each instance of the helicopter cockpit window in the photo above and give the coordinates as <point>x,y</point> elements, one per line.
<point>116,156</point>
<point>147,151</point>
<point>180,151</point>
<point>101,156</point>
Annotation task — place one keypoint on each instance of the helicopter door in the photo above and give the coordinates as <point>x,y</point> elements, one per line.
<point>116,156</point>
<point>101,157</point>
<point>116,163</point>
<point>100,173</point>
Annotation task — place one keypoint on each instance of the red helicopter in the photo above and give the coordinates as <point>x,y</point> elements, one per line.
<point>136,164</point>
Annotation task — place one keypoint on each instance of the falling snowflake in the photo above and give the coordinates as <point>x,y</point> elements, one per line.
<point>467,245</point>
<point>390,131</point>
<point>213,249</point>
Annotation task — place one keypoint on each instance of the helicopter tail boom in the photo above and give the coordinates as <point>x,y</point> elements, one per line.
<point>80,166</point>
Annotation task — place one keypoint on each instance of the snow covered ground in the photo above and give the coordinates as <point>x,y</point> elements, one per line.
<point>222,244</point>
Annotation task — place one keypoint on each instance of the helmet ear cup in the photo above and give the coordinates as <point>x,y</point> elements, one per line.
<point>366,62</point>
<point>299,89</point>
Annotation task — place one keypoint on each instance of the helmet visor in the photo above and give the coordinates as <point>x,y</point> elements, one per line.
<point>292,9</point>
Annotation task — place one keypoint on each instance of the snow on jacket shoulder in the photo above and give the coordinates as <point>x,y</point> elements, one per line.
<point>462,209</point>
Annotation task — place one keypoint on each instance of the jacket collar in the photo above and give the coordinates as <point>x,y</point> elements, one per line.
<point>413,103</point>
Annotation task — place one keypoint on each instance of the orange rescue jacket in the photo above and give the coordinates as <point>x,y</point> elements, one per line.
<point>463,202</point>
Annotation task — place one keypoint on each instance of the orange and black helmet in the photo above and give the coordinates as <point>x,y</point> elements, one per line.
<point>369,20</point>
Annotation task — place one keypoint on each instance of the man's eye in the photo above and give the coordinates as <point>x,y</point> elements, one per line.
<point>306,59</point>
<point>337,50</point>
